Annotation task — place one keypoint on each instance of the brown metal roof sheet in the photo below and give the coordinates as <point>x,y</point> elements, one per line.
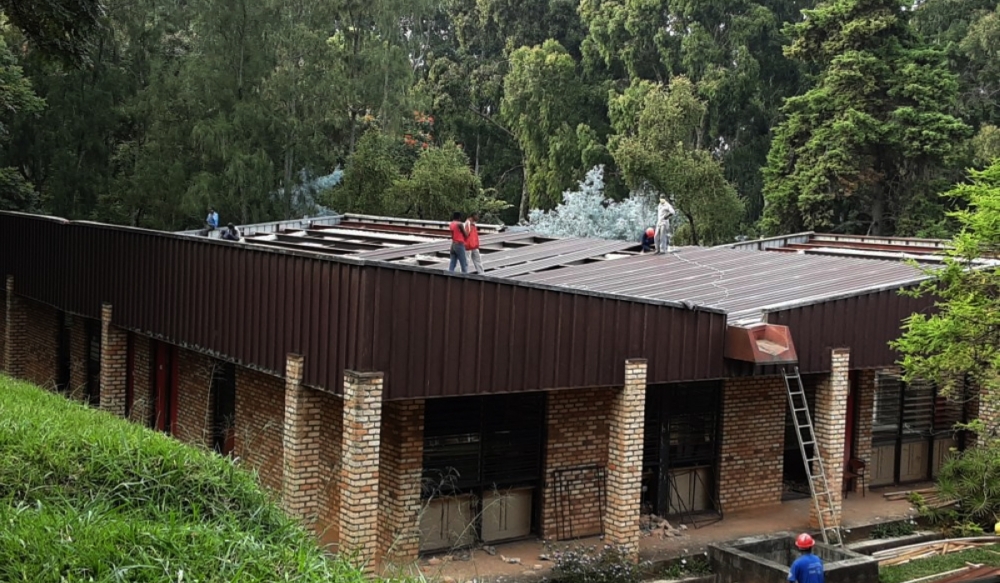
<point>743,283</point>
<point>432,333</point>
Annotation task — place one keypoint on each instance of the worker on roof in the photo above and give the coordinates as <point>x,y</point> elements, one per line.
<point>211,222</point>
<point>808,568</point>
<point>648,240</point>
<point>472,242</point>
<point>458,236</point>
<point>664,212</point>
<point>231,233</point>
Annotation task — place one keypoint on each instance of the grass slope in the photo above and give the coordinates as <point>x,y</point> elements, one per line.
<point>85,496</point>
<point>988,555</point>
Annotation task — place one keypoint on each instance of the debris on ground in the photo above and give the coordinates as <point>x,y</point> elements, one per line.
<point>902,555</point>
<point>652,525</point>
<point>491,551</point>
<point>510,560</point>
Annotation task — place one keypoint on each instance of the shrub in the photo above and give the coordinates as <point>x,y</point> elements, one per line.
<point>590,565</point>
<point>973,478</point>
<point>894,529</point>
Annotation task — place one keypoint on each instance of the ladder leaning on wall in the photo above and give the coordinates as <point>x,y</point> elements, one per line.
<point>819,486</point>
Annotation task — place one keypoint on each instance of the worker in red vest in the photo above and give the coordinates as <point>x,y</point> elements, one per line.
<point>472,242</point>
<point>458,236</point>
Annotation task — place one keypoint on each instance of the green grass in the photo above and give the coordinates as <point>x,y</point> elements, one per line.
<point>85,496</point>
<point>988,555</point>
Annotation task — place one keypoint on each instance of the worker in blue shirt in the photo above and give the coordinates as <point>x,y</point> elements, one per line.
<point>808,568</point>
<point>211,222</point>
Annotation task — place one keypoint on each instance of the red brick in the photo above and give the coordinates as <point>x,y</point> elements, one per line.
<point>260,409</point>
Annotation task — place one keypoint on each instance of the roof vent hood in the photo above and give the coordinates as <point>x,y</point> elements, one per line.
<point>760,344</point>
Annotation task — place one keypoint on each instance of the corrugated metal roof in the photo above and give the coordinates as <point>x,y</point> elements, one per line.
<point>742,283</point>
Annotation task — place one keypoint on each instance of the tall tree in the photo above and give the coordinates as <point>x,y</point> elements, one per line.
<point>62,28</point>
<point>16,98</point>
<point>543,105</point>
<point>661,143</point>
<point>961,340</point>
<point>731,51</point>
<point>855,150</point>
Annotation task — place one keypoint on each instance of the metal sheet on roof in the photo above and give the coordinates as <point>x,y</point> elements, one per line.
<point>737,281</point>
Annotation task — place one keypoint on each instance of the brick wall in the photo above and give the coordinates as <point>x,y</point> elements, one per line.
<point>114,364</point>
<point>328,516</point>
<point>359,471</point>
<point>301,445</point>
<point>831,424</point>
<point>577,435</point>
<point>752,450</point>
<point>3,326</point>
<point>78,358</point>
<point>260,409</point>
<point>625,445</point>
<point>194,406</point>
<point>142,375</point>
<point>863,421</point>
<point>40,349</point>
<point>400,467</point>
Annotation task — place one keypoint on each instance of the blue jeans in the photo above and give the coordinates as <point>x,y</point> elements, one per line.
<point>457,254</point>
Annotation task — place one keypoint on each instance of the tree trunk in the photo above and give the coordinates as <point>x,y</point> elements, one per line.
<point>522,214</point>
<point>289,165</point>
<point>878,212</point>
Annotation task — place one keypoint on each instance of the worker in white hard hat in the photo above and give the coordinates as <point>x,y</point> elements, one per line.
<point>664,212</point>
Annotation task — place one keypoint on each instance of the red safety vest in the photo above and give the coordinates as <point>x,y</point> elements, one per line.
<point>457,236</point>
<point>473,241</point>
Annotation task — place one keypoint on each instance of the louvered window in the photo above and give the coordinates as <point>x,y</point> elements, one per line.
<point>473,443</point>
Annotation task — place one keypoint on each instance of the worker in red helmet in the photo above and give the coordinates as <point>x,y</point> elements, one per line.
<point>808,568</point>
<point>649,240</point>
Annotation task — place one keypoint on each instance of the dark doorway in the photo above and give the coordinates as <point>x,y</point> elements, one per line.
<point>795,483</point>
<point>223,407</point>
<point>164,386</point>
<point>129,374</point>
<point>482,469</point>
<point>93,335</point>
<point>681,450</point>
<point>65,355</point>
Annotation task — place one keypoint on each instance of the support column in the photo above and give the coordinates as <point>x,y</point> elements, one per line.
<point>114,365</point>
<point>863,424</point>
<point>359,474</point>
<point>300,486</point>
<point>400,472</point>
<point>14,354</point>
<point>830,425</point>
<point>625,459</point>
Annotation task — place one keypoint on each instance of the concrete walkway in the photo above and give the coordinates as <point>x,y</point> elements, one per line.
<point>478,565</point>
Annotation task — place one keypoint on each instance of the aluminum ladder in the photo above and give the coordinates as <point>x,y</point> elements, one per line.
<point>818,484</point>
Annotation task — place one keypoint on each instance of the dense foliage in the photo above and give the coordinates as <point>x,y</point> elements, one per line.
<point>85,496</point>
<point>960,342</point>
<point>144,112</point>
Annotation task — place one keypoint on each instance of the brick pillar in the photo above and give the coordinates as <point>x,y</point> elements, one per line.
<point>359,463</point>
<point>300,486</point>
<point>863,423</point>
<point>830,425</point>
<point>625,458</point>
<point>400,470</point>
<point>14,355</point>
<point>114,364</point>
